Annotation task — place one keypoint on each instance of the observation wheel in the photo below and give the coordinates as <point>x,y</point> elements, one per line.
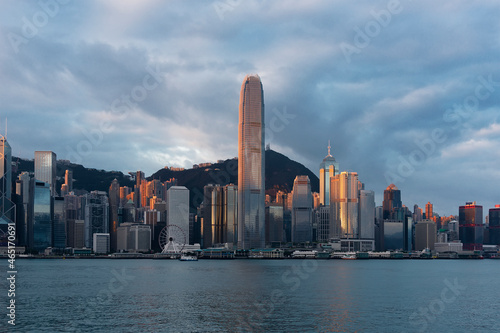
<point>172,239</point>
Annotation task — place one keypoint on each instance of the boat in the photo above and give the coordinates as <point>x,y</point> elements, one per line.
<point>349,256</point>
<point>186,257</point>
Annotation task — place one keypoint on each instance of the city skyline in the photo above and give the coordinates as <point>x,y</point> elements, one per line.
<point>383,96</point>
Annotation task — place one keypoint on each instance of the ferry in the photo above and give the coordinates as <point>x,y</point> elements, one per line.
<point>186,257</point>
<point>349,256</point>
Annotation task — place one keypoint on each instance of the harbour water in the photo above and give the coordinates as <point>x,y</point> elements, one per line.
<point>85,295</point>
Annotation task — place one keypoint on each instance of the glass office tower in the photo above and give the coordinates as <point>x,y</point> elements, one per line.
<point>327,169</point>
<point>251,163</point>
<point>494,219</point>
<point>45,168</point>
<point>470,226</point>
<point>42,217</point>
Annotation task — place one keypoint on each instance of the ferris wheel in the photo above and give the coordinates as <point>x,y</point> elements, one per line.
<point>172,239</point>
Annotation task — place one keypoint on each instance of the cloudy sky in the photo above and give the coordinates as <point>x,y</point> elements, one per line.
<point>408,92</point>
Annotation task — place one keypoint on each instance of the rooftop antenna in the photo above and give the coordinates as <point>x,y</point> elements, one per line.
<point>329,147</point>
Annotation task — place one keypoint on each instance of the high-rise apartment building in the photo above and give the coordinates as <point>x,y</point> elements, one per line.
<point>429,214</point>
<point>45,169</point>
<point>470,226</point>
<point>251,165</point>
<point>417,214</point>
<point>68,180</point>
<point>327,169</point>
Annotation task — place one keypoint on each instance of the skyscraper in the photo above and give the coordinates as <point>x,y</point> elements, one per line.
<point>68,180</point>
<point>251,163</point>
<point>344,205</point>
<point>366,214</point>
<point>114,204</point>
<point>327,169</point>
<point>59,223</point>
<point>178,208</point>
<point>429,214</point>
<point>494,219</point>
<point>301,210</point>
<point>45,169</point>
<point>392,201</point>
<point>7,207</point>
<point>40,228</point>
<point>96,215</point>
<point>470,226</point>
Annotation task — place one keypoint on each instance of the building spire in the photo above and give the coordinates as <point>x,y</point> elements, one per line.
<point>329,148</point>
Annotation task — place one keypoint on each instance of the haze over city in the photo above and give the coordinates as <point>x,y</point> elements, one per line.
<point>407,92</point>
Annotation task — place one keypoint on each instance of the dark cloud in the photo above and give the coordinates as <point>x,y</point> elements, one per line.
<point>379,105</point>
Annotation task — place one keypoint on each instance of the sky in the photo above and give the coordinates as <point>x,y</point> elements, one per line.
<point>408,92</point>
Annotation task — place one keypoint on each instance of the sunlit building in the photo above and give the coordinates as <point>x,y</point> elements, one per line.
<point>251,163</point>
<point>327,169</point>
<point>344,205</point>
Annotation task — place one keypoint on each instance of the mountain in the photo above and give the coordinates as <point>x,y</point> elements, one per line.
<point>280,173</point>
<point>85,179</point>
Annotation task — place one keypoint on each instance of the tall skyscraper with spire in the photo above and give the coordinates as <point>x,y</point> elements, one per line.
<point>327,169</point>
<point>251,164</point>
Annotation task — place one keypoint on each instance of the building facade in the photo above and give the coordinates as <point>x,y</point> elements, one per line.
<point>96,208</point>
<point>45,169</point>
<point>251,165</point>
<point>494,221</point>
<point>470,226</point>
<point>327,169</point>
<point>301,210</point>
<point>344,205</point>
<point>392,202</point>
